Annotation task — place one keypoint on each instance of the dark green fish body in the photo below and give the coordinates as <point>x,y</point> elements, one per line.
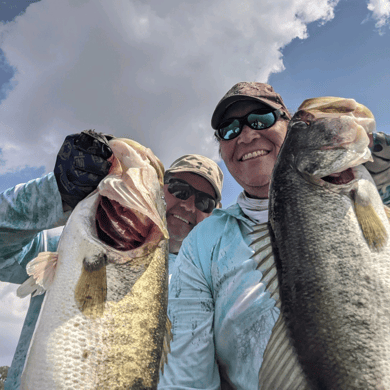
<point>330,240</point>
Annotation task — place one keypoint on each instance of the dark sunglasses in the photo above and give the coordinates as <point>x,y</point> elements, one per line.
<point>256,120</point>
<point>182,190</point>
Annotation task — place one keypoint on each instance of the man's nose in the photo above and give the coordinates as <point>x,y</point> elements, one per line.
<point>189,204</point>
<point>248,135</point>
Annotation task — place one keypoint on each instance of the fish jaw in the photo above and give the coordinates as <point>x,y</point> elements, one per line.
<point>136,185</point>
<point>333,146</point>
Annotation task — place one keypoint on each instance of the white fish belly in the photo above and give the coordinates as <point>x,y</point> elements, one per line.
<point>66,345</point>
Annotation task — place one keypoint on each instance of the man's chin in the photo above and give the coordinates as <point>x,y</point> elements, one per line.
<point>179,233</point>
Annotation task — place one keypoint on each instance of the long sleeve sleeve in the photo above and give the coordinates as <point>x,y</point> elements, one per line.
<point>192,362</point>
<point>25,212</point>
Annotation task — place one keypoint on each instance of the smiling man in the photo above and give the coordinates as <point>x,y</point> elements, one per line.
<point>193,185</point>
<point>221,313</point>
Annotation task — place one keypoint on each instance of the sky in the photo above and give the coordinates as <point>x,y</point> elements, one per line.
<point>154,71</point>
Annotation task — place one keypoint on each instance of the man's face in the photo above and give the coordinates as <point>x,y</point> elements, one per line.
<point>182,215</point>
<point>250,157</point>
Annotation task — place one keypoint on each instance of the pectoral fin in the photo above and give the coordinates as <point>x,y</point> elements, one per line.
<point>91,289</point>
<point>372,227</point>
<point>42,270</point>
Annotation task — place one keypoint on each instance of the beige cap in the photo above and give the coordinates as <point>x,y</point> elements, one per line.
<point>202,166</point>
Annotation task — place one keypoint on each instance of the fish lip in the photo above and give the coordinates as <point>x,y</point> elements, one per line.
<point>256,150</point>
<point>344,178</point>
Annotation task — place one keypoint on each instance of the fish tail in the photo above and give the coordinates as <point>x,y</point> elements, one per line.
<point>372,227</point>
<point>91,291</point>
<point>166,345</point>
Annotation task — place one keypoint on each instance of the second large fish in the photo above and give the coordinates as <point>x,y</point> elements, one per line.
<point>332,252</point>
<point>103,319</point>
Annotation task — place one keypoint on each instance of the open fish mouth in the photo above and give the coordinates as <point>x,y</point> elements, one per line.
<point>340,178</point>
<point>119,227</point>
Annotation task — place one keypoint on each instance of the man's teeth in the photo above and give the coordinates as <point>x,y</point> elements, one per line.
<point>181,218</point>
<point>254,154</point>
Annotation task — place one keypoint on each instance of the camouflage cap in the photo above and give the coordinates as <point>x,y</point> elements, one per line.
<point>261,92</point>
<point>202,166</point>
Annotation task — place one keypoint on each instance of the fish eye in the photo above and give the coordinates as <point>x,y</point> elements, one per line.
<point>299,123</point>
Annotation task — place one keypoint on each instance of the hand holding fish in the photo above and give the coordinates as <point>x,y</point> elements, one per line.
<point>82,162</point>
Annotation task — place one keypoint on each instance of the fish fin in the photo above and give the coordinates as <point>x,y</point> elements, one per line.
<point>91,289</point>
<point>280,368</point>
<point>166,344</point>
<point>372,227</point>
<point>41,270</point>
<point>29,287</point>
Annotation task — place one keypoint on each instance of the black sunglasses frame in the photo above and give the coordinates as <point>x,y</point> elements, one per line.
<point>244,121</point>
<point>199,195</point>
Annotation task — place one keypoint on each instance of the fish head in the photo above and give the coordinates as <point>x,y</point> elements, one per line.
<point>130,215</point>
<point>327,138</point>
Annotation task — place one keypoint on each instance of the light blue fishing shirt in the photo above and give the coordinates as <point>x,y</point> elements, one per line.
<point>27,211</point>
<point>222,316</point>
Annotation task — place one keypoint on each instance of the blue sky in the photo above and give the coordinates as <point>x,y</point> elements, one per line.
<point>154,72</point>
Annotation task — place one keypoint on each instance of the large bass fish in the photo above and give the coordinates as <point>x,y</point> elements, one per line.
<point>103,320</point>
<point>330,236</point>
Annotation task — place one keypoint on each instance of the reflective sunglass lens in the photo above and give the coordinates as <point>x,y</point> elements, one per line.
<point>261,121</point>
<point>257,120</point>
<point>230,130</point>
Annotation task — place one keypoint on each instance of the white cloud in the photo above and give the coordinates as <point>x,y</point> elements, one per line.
<point>380,12</point>
<point>152,71</point>
<point>12,313</point>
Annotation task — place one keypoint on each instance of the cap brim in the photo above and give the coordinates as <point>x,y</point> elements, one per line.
<point>224,104</point>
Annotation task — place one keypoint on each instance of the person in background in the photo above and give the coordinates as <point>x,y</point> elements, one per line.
<point>32,215</point>
<point>221,312</point>
<point>192,190</point>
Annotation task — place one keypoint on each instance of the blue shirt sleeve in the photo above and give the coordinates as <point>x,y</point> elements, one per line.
<point>192,362</point>
<point>25,211</point>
